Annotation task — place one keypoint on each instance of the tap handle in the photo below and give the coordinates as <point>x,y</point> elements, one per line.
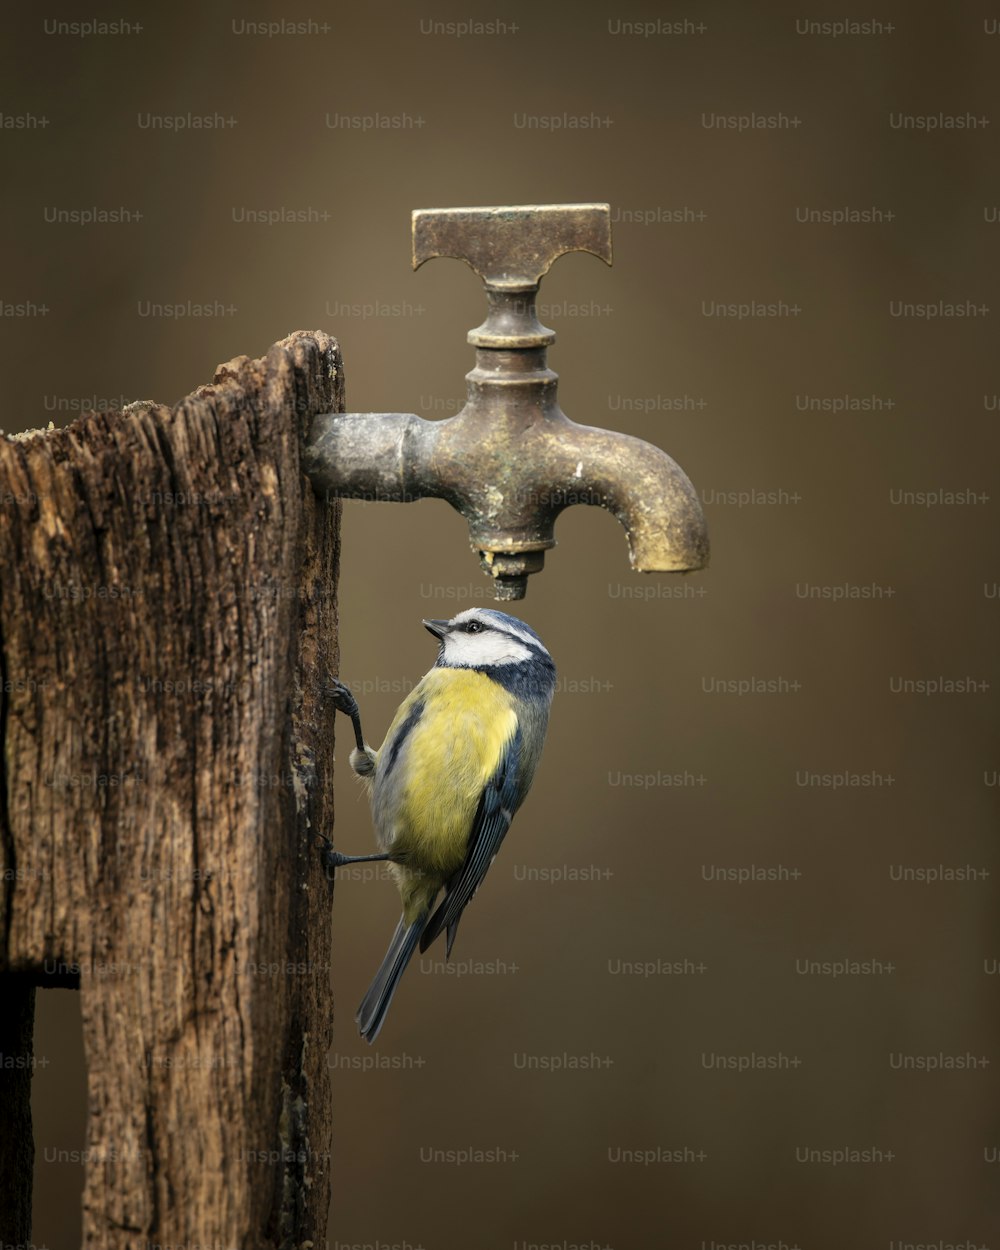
<point>511,248</point>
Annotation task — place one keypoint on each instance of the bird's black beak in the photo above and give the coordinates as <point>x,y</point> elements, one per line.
<point>437,628</point>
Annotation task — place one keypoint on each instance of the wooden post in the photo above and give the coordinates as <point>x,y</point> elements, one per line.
<point>167,621</point>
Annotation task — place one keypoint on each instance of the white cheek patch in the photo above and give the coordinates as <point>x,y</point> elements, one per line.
<point>486,648</point>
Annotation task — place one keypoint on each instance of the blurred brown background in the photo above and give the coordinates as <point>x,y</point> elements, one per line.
<point>608,937</point>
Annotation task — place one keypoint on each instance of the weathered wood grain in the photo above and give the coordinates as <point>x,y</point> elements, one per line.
<point>167,620</point>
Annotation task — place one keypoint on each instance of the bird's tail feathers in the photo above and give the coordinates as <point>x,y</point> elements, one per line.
<point>445,916</point>
<point>371,1014</point>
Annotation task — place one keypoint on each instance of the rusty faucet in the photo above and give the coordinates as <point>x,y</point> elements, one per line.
<point>511,460</point>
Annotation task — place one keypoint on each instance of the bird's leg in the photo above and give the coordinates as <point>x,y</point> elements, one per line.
<point>345,702</point>
<point>332,860</point>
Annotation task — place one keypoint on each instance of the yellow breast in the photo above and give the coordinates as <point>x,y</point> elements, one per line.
<point>446,760</point>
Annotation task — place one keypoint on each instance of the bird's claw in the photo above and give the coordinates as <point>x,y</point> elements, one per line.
<point>329,858</point>
<point>342,698</point>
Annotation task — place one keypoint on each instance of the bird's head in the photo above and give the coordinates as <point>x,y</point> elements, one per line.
<point>494,643</point>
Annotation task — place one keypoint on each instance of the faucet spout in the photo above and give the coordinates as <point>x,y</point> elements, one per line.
<point>644,489</point>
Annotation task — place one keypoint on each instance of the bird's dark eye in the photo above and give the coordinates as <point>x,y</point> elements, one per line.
<point>474,627</point>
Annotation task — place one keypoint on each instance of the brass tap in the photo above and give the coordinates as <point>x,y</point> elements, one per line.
<point>511,460</point>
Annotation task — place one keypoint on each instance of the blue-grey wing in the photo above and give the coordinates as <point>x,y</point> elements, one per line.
<point>499,801</point>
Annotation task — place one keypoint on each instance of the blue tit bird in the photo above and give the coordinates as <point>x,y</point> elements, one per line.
<point>456,764</point>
